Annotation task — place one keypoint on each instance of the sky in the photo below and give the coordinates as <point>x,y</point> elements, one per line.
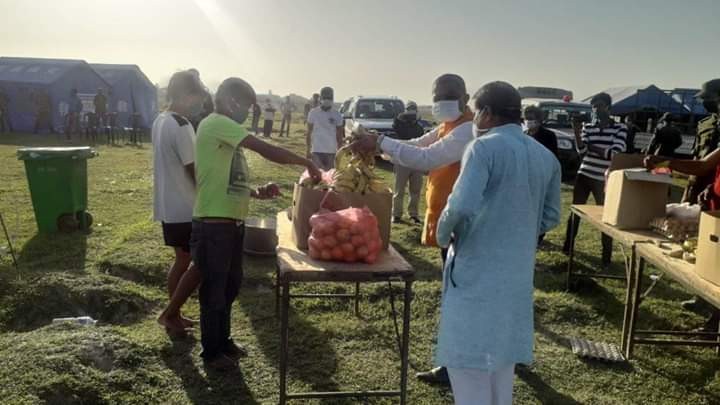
<point>380,47</point>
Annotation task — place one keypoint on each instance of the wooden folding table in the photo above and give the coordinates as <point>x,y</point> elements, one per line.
<point>294,266</point>
<point>683,273</point>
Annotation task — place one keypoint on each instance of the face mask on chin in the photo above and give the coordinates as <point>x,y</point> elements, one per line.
<point>532,124</point>
<point>446,110</point>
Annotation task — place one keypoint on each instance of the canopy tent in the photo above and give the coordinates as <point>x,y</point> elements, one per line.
<point>687,98</point>
<point>131,92</point>
<point>26,80</point>
<point>626,100</point>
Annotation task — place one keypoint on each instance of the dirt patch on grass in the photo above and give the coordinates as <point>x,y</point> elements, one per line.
<point>36,302</point>
<point>67,363</point>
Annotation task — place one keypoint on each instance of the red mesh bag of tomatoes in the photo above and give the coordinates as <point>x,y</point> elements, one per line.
<point>350,235</point>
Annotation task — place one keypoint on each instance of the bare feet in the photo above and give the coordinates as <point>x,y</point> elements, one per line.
<point>172,325</point>
<point>187,322</point>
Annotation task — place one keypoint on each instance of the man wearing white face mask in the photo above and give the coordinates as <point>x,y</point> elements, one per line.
<point>533,122</point>
<point>324,131</point>
<point>439,152</point>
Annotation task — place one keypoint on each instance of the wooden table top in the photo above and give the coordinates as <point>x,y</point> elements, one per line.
<point>680,271</point>
<point>295,264</point>
<point>628,237</point>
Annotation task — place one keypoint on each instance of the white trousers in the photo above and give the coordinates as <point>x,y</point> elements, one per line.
<point>479,387</point>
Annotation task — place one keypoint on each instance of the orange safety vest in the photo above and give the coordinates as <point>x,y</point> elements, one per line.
<point>440,183</point>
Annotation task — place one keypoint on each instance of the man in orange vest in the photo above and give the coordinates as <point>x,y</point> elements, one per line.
<point>439,152</point>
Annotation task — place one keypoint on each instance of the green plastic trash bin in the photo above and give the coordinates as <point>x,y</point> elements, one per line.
<point>58,186</point>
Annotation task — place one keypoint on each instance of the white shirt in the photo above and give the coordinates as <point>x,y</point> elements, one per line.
<point>325,125</point>
<point>427,152</point>
<point>269,113</point>
<point>173,141</point>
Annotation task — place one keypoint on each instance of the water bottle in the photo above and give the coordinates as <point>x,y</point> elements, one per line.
<point>80,320</point>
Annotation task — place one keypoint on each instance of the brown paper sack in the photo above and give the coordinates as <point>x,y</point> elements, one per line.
<point>307,202</point>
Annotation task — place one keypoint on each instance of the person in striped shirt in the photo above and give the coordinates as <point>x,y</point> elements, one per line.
<point>597,141</point>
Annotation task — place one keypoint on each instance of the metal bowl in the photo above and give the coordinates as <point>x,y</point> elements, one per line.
<point>260,236</point>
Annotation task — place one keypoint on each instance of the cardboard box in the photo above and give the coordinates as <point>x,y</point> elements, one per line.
<point>306,202</point>
<point>634,197</point>
<point>622,161</point>
<point>707,262</point>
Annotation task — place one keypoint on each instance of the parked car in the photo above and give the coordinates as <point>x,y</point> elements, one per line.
<point>376,113</point>
<point>557,117</point>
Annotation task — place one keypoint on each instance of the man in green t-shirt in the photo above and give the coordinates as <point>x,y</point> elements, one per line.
<point>221,205</point>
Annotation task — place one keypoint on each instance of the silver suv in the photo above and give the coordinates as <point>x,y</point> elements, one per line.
<point>376,113</point>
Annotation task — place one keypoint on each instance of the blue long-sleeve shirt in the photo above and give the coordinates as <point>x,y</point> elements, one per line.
<point>507,194</point>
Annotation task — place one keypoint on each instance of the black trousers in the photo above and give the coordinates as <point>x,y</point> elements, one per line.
<point>584,186</point>
<point>217,250</point>
<point>285,125</point>
<point>267,129</point>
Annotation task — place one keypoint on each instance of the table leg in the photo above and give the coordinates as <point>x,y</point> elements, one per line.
<point>571,253</point>
<point>717,348</point>
<point>284,341</point>
<point>629,282</point>
<point>357,300</point>
<point>405,342</point>
<point>277,291</point>
<point>637,287</point>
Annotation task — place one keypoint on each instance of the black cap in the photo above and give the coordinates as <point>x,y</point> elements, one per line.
<point>327,92</point>
<point>502,98</point>
<point>710,90</point>
<point>604,97</point>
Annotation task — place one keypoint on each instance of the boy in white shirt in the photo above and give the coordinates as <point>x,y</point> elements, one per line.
<point>173,139</point>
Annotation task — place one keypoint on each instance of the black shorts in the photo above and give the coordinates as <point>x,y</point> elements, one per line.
<point>177,234</point>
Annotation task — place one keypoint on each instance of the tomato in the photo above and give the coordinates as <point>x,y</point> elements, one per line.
<point>356,228</point>
<point>318,227</point>
<point>329,242</point>
<point>315,243</point>
<point>371,258</point>
<point>326,254</point>
<point>368,237</point>
<point>329,228</point>
<point>343,235</point>
<point>347,248</point>
<point>314,253</point>
<point>373,246</point>
<point>362,251</point>
<point>337,253</point>
<point>344,223</point>
<point>358,240</point>
<point>350,258</point>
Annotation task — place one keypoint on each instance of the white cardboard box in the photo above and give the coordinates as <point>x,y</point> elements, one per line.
<point>634,197</point>
<point>707,262</point>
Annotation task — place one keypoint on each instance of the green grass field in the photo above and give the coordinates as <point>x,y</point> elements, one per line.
<point>116,274</point>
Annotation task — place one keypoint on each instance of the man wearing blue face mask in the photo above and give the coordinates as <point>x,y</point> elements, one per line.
<point>439,153</point>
